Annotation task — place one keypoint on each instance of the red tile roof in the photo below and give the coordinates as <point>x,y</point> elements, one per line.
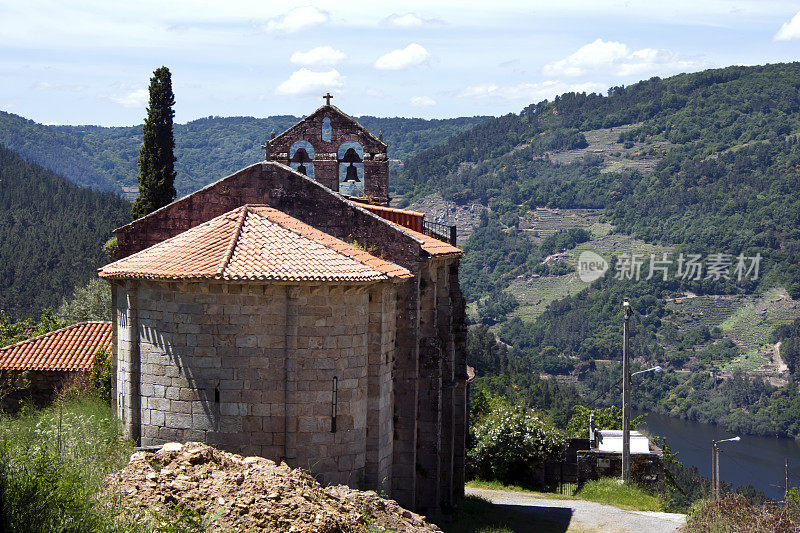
<point>258,243</point>
<point>434,246</point>
<point>69,348</point>
<point>402,217</point>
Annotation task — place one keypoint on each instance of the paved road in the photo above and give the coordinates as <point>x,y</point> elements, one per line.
<point>577,515</point>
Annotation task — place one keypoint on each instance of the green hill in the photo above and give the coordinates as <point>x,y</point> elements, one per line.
<point>697,163</point>
<point>52,234</point>
<point>207,149</point>
<point>723,152</point>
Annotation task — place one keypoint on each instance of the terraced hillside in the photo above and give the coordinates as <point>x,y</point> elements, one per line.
<point>535,293</point>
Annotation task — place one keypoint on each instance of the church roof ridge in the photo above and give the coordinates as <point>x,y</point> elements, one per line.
<point>254,243</point>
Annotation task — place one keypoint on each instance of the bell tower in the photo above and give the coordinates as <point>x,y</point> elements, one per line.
<point>332,148</point>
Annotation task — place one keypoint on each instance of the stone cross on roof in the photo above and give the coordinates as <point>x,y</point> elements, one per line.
<point>327,97</point>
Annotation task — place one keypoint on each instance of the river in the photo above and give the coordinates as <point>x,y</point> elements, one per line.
<point>753,460</point>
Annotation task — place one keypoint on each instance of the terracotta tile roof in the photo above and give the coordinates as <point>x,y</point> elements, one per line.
<point>402,217</point>
<point>434,246</point>
<point>258,243</point>
<point>69,348</point>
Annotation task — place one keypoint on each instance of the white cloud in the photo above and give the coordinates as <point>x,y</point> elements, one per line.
<point>528,92</point>
<point>325,56</point>
<point>298,19</point>
<point>375,93</point>
<point>400,59</point>
<point>790,30</point>
<point>422,101</point>
<point>137,98</point>
<point>409,20</point>
<point>611,57</point>
<point>306,82</point>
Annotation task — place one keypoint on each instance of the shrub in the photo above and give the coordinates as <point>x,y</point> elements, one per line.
<point>102,376</point>
<point>511,442</point>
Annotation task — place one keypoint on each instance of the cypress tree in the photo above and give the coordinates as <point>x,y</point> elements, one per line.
<point>156,158</point>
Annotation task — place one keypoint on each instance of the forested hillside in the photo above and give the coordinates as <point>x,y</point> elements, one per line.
<point>52,234</point>
<point>207,149</point>
<point>705,163</point>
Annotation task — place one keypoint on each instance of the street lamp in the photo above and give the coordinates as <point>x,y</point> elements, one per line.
<point>626,392</point>
<point>654,369</point>
<point>715,464</point>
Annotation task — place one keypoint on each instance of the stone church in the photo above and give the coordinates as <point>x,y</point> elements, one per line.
<point>286,311</point>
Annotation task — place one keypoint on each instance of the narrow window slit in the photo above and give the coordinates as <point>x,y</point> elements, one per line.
<point>334,403</point>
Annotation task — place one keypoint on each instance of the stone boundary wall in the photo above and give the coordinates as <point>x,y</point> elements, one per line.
<point>36,386</point>
<point>249,368</point>
<point>647,468</point>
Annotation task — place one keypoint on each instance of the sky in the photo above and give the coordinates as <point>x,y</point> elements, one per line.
<point>90,61</point>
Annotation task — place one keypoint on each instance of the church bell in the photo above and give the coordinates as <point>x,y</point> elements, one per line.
<point>352,174</point>
<point>301,156</point>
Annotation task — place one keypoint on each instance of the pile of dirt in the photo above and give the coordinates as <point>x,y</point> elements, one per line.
<point>253,493</point>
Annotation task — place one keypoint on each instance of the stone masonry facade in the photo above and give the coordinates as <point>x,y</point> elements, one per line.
<point>250,367</point>
<point>254,368</point>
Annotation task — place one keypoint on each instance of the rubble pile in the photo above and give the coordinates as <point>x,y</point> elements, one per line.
<point>253,493</point>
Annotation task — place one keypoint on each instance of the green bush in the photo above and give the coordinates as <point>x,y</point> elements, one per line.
<point>44,493</point>
<point>510,442</point>
<point>102,376</point>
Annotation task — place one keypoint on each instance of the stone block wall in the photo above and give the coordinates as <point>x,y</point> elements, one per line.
<point>380,405</point>
<point>250,368</point>
<point>647,468</point>
<point>326,164</point>
<point>36,386</point>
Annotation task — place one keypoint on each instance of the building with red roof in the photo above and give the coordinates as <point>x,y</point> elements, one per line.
<point>286,311</point>
<point>49,361</point>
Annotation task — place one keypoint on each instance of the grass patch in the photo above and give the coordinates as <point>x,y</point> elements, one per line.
<point>607,491</point>
<point>735,513</point>
<point>610,491</point>
<point>478,515</point>
<point>52,462</point>
<point>496,485</point>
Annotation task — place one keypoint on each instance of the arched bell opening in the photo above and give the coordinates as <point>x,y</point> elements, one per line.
<point>301,158</point>
<point>351,168</point>
<point>327,129</point>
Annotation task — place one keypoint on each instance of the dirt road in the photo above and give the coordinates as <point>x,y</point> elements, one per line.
<point>577,515</point>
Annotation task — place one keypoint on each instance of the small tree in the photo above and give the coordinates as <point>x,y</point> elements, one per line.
<point>511,442</point>
<point>90,302</point>
<point>156,157</point>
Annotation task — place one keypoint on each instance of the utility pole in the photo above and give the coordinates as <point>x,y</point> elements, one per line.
<point>786,480</point>
<point>715,464</point>
<point>714,470</point>
<point>626,393</point>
